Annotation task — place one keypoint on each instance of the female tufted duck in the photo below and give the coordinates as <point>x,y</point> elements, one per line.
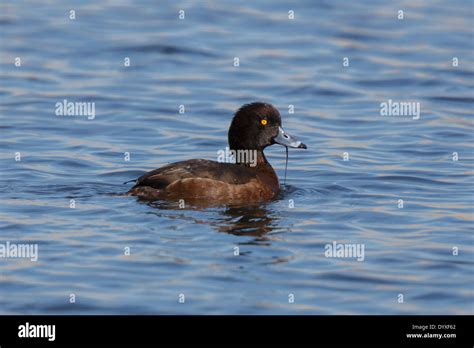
<point>254,127</point>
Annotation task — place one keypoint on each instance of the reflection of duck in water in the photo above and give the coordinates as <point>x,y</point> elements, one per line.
<point>249,220</point>
<point>254,127</point>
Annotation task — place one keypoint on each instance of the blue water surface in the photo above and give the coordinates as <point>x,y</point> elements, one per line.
<point>422,250</point>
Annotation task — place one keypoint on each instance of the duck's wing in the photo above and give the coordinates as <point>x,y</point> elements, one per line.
<point>198,168</point>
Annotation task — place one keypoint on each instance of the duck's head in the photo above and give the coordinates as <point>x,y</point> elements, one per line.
<point>258,125</point>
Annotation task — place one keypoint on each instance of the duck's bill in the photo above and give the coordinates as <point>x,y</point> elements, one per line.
<point>283,138</point>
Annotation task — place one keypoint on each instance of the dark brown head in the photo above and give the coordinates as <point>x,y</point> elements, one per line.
<point>258,125</point>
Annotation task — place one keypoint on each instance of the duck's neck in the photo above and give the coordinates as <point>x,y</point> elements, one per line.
<point>259,162</point>
<point>250,158</point>
<point>262,160</point>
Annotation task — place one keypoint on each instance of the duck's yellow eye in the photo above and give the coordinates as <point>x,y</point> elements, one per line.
<point>264,122</point>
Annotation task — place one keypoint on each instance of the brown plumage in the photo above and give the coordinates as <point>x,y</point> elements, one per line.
<point>200,179</point>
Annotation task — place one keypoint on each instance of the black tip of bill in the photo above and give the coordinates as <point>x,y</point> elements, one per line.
<point>287,140</point>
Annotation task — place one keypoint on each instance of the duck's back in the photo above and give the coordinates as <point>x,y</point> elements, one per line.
<point>200,178</point>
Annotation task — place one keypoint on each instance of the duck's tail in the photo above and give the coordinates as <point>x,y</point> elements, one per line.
<point>145,193</point>
<point>133,180</point>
